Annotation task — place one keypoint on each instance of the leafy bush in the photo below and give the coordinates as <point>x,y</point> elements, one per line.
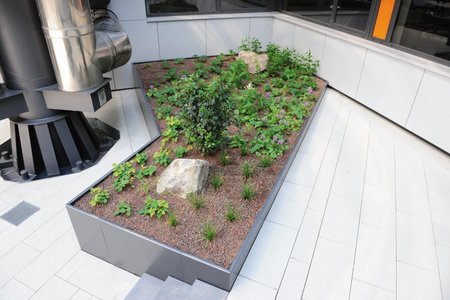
<point>248,44</point>
<point>145,172</point>
<point>181,151</point>
<point>100,196</point>
<point>124,174</point>
<point>141,158</point>
<point>171,74</point>
<point>197,201</point>
<point>179,61</point>
<point>123,208</point>
<point>162,157</point>
<point>154,207</point>
<point>209,231</point>
<point>173,128</point>
<point>205,113</point>
<point>237,74</point>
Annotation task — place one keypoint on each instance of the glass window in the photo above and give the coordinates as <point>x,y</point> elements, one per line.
<point>233,5</point>
<point>353,13</point>
<point>180,6</point>
<point>424,25</point>
<point>319,10</point>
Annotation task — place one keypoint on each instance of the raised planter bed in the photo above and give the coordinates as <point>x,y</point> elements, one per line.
<point>139,254</point>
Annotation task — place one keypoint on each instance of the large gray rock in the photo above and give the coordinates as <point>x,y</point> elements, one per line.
<point>183,176</point>
<point>255,62</point>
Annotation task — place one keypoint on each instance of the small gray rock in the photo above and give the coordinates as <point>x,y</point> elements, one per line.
<point>183,176</point>
<point>255,62</point>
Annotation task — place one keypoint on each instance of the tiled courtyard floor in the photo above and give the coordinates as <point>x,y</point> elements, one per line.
<point>364,213</point>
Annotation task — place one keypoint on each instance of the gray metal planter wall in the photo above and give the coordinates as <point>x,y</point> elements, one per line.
<point>139,254</point>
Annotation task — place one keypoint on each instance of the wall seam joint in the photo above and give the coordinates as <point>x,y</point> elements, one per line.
<point>415,98</point>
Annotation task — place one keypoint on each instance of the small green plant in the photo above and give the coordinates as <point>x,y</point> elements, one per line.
<point>145,172</point>
<point>173,128</point>
<point>154,207</point>
<point>248,44</point>
<point>217,181</point>
<point>209,231</point>
<point>224,158</point>
<point>162,157</point>
<point>100,196</point>
<point>123,208</point>
<point>265,162</point>
<point>172,219</point>
<point>247,192</point>
<point>247,170</point>
<point>144,187</point>
<point>179,61</point>
<point>165,64</point>
<point>141,159</point>
<point>180,151</point>
<point>197,201</point>
<point>171,74</point>
<point>124,174</point>
<point>202,58</point>
<point>232,213</point>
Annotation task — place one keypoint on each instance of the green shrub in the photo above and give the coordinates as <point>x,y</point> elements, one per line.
<point>181,151</point>
<point>145,172</point>
<point>141,159</point>
<point>153,207</point>
<point>124,174</point>
<point>179,61</point>
<point>162,157</point>
<point>123,208</point>
<point>99,196</point>
<point>165,64</point>
<point>248,44</point>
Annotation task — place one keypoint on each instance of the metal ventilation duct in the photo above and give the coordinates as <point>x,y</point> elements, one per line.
<point>81,54</point>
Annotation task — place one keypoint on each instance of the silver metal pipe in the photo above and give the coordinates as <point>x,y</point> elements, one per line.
<point>79,54</point>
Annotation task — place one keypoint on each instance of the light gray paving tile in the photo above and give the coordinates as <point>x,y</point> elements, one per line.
<point>375,261</point>
<point>307,236</point>
<point>82,295</point>
<point>330,274</point>
<point>290,205</point>
<point>319,195</point>
<point>327,113</point>
<point>103,280</point>
<point>3,205</point>
<point>414,283</point>
<point>15,260</point>
<point>438,180</point>
<point>48,233</point>
<point>411,195</point>
<point>341,220</point>
<point>304,170</point>
<point>73,265</point>
<point>55,288</point>
<point>15,290</point>
<point>293,280</point>
<point>364,291</point>
<point>443,254</point>
<point>354,146</point>
<point>348,181</point>
<point>261,264</point>
<point>440,212</point>
<point>244,288</point>
<point>13,235</point>
<point>415,241</point>
<point>38,272</point>
<point>315,143</point>
<point>441,235</point>
<point>378,208</point>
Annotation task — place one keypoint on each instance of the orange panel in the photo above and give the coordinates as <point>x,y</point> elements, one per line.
<point>383,19</point>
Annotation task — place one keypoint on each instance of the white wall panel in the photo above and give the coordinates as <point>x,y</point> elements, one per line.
<point>430,115</point>
<point>305,39</point>
<point>225,34</point>
<point>144,40</point>
<point>262,29</point>
<point>342,64</point>
<point>182,38</point>
<point>283,33</point>
<point>389,86</point>
<point>128,9</point>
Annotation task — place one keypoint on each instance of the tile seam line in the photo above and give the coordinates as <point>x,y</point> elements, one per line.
<point>258,282</point>
<point>361,73</point>
<point>432,227</point>
<point>309,199</point>
<point>415,98</point>
<point>27,243</point>
<point>329,191</point>
<point>14,278</point>
<point>374,285</point>
<point>417,266</point>
<point>360,212</point>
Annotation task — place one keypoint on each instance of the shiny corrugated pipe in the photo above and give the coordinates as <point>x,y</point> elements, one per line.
<point>80,51</point>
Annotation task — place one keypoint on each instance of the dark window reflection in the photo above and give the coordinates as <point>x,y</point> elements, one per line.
<point>243,5</point>
<point>424,25</point>
<point>179,6</point>
<point>353,13</point>
<point>319,10</point>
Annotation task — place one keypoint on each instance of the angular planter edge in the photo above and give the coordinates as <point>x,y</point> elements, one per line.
<point>139,254</point>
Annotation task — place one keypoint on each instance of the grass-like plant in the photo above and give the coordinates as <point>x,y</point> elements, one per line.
<point>165,64</point>
<point>209,231</point>
<point>265,162</point>
<point>224,158</point>
<point>197,201</point>
<point>247,169</point>
<point>232,213</point>
<point>172,219</point>
<point>99,196</point>
<point>247,192</point>
<point>123,208</point>
<point>217,181</point>
<point>179,61</point>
